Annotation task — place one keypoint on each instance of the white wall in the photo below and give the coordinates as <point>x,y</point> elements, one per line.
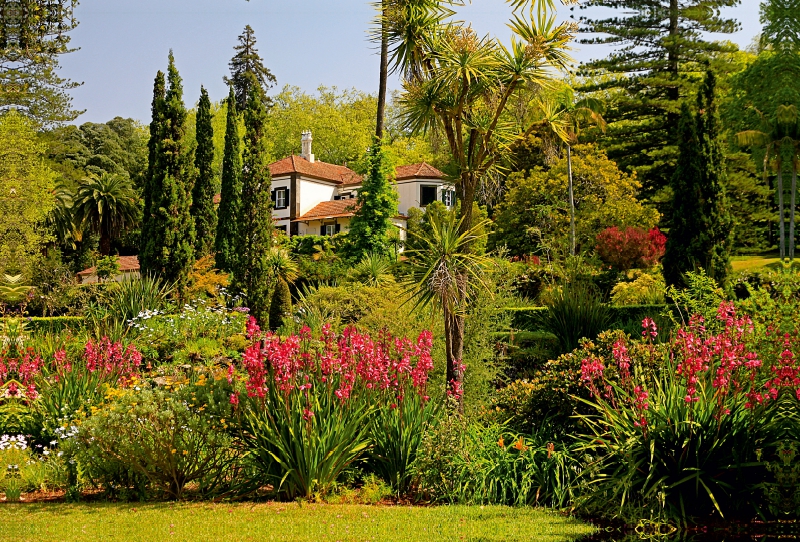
<point>409,192</point>
<point>312,193</point>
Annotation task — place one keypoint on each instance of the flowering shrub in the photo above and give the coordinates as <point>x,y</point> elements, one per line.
<point>631,248</point>
<point>309,402</point>
<point>686,439</point>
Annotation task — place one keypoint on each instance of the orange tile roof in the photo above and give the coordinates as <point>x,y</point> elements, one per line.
<point>127,264</point>
<point>330,209</point>
<point>417,171</point>
<point>411,171</point>
<point>319,170</point>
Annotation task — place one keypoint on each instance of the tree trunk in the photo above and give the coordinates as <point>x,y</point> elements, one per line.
<point>791,215</point>
<point>454,346</point>
<point>782,219</point>
<point>571,203</point>
<point>384,73</point>
<point>105,244</point>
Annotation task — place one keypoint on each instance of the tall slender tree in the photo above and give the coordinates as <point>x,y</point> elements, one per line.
<point>171,243</point>
<point>248,70</point>
<point>203,210</point>
<point>659,45</point>
<point>227,240</point>
<point>252,275</point>
<point>377,205</point>
<point>151,190</point>
<point>700,237</point>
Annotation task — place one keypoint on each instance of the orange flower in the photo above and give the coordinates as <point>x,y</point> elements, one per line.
<point>550,449</point>
<point>520,445</point>
<point>501,443</point>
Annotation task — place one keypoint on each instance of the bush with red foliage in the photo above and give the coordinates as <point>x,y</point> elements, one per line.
<point>631,248</point>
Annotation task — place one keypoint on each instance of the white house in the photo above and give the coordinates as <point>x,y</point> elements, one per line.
<point>316,198</point>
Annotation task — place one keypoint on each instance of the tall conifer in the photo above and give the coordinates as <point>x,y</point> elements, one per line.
<point>255,220</point>
<point>203,210</point>
<point>227,241</point>
<point>248,71</point>
<point>151,191</point>
<point>658,46</point>
<point>700,237</point>
<point>377,205</point>
<point>171,240</point>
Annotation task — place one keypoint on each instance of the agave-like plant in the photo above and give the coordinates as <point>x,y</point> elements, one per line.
<point>373,270</point>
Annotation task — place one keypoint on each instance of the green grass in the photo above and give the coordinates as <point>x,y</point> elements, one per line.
<point>281,521</point>
<point>751,263</point>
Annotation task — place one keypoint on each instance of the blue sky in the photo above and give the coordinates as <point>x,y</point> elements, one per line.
<point>306,43</point>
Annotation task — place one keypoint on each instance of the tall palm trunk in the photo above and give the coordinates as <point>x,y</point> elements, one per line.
<point>384,73</point>
<point>782,219</point>
<point>791,216</point>
<point>571,203</point>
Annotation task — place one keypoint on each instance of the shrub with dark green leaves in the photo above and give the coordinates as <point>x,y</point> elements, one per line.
<point>576,312</point>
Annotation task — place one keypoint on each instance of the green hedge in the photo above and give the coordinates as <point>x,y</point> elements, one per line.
<point>54,324</point>
<point>530,318</point>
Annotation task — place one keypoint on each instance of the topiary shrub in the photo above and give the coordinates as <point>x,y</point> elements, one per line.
<point>281,305</point>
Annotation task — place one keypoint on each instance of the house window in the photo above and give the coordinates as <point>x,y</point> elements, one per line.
<point>427,195</point>
<point>280,198</point>
<point>449,197</point>
<point>330,229</point>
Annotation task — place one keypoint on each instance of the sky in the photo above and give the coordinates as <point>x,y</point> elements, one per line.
<point>305,43</point>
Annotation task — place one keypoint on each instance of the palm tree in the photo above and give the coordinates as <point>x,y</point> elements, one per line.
<point>106,205</point>
<point>776,136</point>
<point>373,270</point>
<point>62,218</point>
<point>398,28</point>
<point>445,273</point>
<point>563,119</point>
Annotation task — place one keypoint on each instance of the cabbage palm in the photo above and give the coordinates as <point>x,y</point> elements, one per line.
<point>282,265</point>
<point>106,205</point>
<point>445,273</point>
<point>563,119</point>
<point>461,85</point>
<point>777,135</point>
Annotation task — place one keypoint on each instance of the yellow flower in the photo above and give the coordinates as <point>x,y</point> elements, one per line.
<point>174,450</point>
<point>185,452</point>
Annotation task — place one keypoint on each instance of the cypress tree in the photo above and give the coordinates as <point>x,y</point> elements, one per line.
<point>701,226</point>
<point>659,44</point>
<point>230,205</point>
<point>248,71</point>
<point>151,192</point>
<point>377,205</point>
<point>171,240</point>
<point>252,275</point>
<point>281,305</point>
<point>203,210</point>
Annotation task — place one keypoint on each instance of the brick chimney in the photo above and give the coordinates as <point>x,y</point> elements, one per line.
<point>306,142</point>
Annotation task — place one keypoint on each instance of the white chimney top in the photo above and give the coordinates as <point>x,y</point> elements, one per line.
<point>306,142</point>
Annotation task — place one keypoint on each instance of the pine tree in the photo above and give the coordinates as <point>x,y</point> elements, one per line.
<point>203,209</point>
<point>248,70</point>
<point>377,205</point>
<point>700,237</point>
<point>227,241</point>
<point>252,275</point>
<point>171,240</point>
<point>281,305</point>
<point>151,191</point>
<point>659,44</point>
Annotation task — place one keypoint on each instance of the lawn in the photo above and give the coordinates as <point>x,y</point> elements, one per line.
<point>281,521</point>
<point>751,263</point>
